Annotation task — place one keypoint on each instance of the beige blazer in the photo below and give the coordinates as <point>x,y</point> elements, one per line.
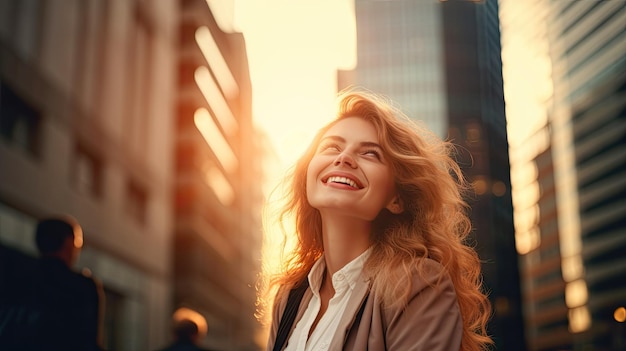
<point>431,320</point>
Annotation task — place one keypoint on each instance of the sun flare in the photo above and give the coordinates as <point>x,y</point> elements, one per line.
<point>294,52</point>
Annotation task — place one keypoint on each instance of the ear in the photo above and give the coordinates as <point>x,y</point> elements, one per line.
<point>396,205</point>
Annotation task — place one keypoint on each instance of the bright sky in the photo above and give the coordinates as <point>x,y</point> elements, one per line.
<point>295,48</point>
<point>294,51</point>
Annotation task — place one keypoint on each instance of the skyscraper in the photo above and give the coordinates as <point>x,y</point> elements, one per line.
<point>566,106</point>
<point>440,62</point>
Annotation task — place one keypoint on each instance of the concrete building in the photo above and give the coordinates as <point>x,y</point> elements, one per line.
<point>565,79</point>
<point>218,233</point>
<point>439,61</point>
<point>135,118</point>
<point>87,98</point>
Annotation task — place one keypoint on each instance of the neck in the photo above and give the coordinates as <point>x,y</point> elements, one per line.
<point>344,240</point>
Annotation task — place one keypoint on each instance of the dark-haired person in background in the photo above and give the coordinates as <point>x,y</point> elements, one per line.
<point>49,306</point>
<point>188,328</point>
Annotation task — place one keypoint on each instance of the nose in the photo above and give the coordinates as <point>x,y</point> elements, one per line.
<point>345,159</point>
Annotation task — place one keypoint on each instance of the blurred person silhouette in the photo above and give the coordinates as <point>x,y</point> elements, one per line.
<point>49,306</point>
<point>380,260</point>
<point>188,328</point>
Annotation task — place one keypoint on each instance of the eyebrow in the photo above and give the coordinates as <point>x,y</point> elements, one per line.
<point>362,144</point>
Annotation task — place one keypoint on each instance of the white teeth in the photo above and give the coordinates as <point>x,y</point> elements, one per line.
<point>343,180</point>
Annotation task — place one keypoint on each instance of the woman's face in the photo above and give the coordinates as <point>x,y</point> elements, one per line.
<point>348,173</point>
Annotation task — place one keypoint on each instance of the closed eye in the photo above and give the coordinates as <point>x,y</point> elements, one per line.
<point>328,147</point>
<point>372,152</point>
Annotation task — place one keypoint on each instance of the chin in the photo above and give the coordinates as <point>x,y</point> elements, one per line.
<point>345,208</point>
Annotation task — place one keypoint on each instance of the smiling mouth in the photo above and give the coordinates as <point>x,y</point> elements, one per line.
<point>343,180</point>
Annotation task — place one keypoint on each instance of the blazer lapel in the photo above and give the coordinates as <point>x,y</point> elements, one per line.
<point>304,304</point>
<point>360,292</point>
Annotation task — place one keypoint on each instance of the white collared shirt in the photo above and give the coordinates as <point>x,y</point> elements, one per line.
<point>343,281</point>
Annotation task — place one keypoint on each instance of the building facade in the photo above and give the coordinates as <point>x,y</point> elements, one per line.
<point>135,118</point>
<point>400,53</point>
<point>87,94</point>
<point>218,232</point>
<point>567,126</point>
<point>439,61</point>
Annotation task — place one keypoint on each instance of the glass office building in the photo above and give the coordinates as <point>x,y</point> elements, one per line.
<point>565,79</point>
<point>439,61</point>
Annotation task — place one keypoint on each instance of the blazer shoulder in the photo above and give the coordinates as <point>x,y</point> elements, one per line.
<point>423,273</point>
<point>431,307</point>
<point>429,273</point>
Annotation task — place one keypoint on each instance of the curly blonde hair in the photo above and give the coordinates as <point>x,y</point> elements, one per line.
<point>434,223</point>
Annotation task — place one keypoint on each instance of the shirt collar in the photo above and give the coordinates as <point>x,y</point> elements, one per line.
<point>345,277</point>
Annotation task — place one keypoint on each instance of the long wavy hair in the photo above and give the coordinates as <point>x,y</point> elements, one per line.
<point>434,223</point>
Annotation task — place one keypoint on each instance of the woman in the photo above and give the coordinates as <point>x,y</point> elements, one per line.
<point>380,260</point>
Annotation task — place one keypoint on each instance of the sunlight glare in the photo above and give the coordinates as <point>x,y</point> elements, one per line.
<point>220,147</point>
<point>220,185</point>
<point>216,101</point>
<point>216,61</point>
<point>294,51</point>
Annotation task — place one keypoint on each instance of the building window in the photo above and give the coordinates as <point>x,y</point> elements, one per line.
<point>113,319</point>
<point>88,171</point>
<point>20,123</point>
<point>17,229</point>
<point>21,27</point>
<point>139,81</point>
<point>137,201</point>
<point>90,70</point>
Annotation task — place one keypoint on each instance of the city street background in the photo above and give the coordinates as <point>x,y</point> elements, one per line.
<point>163,126</point>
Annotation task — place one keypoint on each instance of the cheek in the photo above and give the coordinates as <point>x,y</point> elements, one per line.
<point>311,179</point>
<point>387,182</point>
<point>313,170</point>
